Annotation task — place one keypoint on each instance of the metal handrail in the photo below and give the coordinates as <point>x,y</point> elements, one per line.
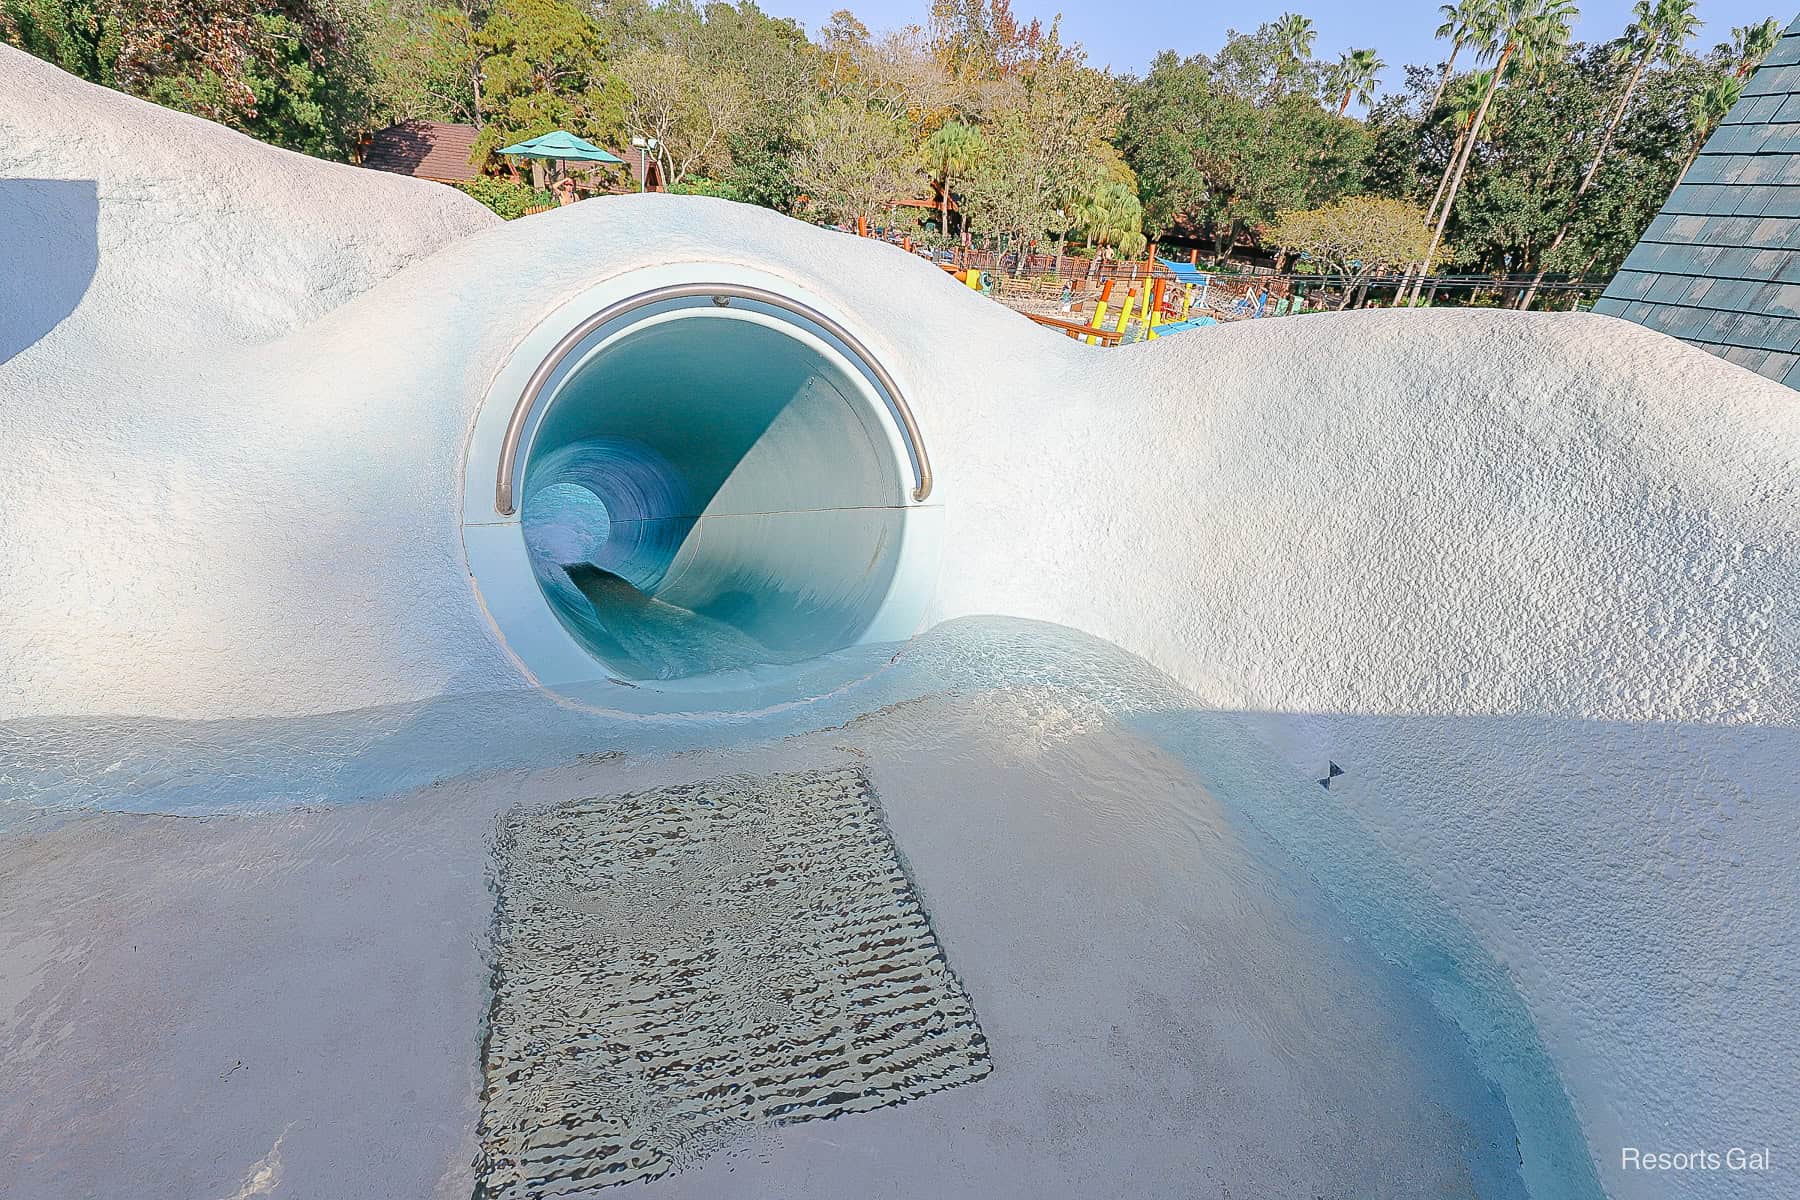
<point>722,294</point>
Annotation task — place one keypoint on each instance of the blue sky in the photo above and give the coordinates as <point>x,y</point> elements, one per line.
<point>1127,35</point>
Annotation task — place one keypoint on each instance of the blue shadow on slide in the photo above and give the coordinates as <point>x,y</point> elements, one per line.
<point>49,251</point>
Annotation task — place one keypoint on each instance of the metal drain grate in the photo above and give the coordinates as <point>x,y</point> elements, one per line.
<point>680,967</point>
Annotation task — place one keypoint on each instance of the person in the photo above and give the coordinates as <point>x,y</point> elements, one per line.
<point>564,191</point>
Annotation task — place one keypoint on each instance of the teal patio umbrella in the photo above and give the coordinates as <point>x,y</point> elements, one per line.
<point>559,147</point>
<point>564,147</point>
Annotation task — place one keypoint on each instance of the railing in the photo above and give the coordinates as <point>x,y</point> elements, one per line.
<point>1229,291</point>
<point>1078,331</point>
<point>1067,266</point>
<point>1084,272</point>
<point>721,294</point>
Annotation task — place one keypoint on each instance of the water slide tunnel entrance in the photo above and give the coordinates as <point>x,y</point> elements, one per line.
<point>699,478</point>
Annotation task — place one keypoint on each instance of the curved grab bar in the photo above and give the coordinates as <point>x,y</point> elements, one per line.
<point>722,294</point>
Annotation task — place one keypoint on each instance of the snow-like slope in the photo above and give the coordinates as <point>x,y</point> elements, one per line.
<point>185,229</point>
<point>1532,578</point>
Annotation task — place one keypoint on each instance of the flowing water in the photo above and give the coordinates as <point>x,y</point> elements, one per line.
<point>1006,916</point>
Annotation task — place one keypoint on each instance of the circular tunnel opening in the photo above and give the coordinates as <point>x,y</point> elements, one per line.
<point>712,490</point>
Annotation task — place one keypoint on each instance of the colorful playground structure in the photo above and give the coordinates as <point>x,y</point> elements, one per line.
<point>1171,297</point>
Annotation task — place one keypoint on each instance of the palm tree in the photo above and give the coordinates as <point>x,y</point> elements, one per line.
<point>949,151</point>
<point>1527,32</point>
<point>1460,22</point>
<point>1658,32</point>
<point>1294,36</point>
<point>1354,77</point>
<point>1468,22</point>
<point>1463,102</point>
<point>1460,104</point>
<point>1750,44</point>
<point>1111,215</point>
<point>1706,109</point>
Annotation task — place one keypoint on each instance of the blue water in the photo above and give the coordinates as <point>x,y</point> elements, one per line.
<point>657,586</point>
<point>1528,1142</point>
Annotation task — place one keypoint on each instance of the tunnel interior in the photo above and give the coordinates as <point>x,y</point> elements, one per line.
<point>712,492</point>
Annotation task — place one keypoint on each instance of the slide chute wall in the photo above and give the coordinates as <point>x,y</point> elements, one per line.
<point>1529,578</point>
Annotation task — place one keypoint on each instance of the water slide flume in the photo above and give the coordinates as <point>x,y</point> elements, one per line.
<point>761,476</point>
<point>1529,577</point>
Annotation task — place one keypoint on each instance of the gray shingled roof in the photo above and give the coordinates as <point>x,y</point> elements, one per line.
<point>1719,267</point>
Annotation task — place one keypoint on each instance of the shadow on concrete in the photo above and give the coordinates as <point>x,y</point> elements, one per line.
<point>49,251</point>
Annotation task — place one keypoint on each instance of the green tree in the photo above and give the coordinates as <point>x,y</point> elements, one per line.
<point>951,149</point>
<point>424,61</point>
<point>1292,43</point>
<point>1354,76</point>
<point>1635,180</point>
<point>81,36</point>
<point>855,162</point>
<point>1706,109</point>
<point>1402,142</point>
<point>1272,62</point>
<point>1521,182</point>
<point>1047,144</point>
<point>1112,215</point>
<point>1463,102</point>
<point>293,73</point>
<point>1211,158</point>
<point>1658,33</point>
<point>1750,44</point>
<point>687,113</point>
<point>543,67</point>
<point>770,75</point>
<point>1521,177</point>
<point>508,198</point>
<point>1528,32</point>
<point>1461,22</point>
<point>1355,238</point>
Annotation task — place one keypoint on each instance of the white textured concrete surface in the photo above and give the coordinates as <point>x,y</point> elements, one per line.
<point>1165,1014</point>
<point>202,234</point>
<point>1532,578</point>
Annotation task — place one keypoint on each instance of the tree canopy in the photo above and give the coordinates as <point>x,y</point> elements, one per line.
<point>1355,238</point>
<point>1530,155</point>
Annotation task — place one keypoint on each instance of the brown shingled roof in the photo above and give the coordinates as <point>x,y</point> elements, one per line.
<point>640,168</point>
<point>424,150</point>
